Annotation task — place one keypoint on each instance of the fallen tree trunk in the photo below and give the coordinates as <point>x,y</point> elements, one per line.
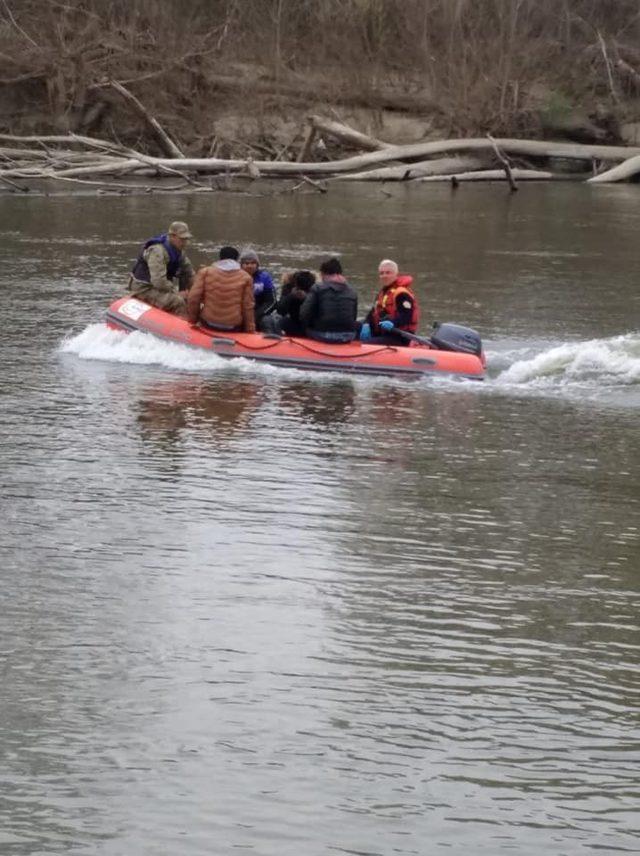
<point>410,172</point>
<point>527,148</point>
<point>499,175</point>
<point>101,158</point>
<point>120,187</point>
<point>345,134</point>
<point>624,170</point>
<point>531,148</point>
<point>30,154</point>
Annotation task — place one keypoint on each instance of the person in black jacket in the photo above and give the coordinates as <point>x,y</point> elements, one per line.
<point>330,309</point>
<point>295,287</point>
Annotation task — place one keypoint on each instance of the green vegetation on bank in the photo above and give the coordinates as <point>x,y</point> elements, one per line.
<point>226,77</point>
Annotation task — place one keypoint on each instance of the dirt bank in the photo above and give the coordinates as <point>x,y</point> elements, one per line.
<point>235,79</point>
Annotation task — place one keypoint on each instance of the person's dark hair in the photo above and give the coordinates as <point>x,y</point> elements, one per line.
<point>331,267</point>
<point>303,279</point>
<point>229,253</point>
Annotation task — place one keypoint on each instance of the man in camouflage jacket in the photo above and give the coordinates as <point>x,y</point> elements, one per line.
<point>162,270</point>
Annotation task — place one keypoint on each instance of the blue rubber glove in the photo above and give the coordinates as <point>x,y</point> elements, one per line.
<point>365,332</point>
<point>386,325</point>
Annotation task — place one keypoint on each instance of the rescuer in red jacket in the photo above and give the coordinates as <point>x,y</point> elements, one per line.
<point>395,308</point>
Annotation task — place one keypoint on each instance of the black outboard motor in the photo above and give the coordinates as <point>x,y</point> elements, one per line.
<point>453,337</point>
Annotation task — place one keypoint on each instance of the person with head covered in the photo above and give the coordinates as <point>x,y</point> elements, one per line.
<point>330,309</point>
<point>264,290</point>
<point>395,308</point>
<point>162,270</point>
<point>295,287</point>
<point>221,298</point>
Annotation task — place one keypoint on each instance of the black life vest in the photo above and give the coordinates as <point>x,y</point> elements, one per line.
<point>140,270</point>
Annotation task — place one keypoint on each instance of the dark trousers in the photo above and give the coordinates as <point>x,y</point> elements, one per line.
<point>331,338</point>
<point>387,339</point>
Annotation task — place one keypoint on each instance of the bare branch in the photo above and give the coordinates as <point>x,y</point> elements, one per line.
<point>166,143</point>
<point>16,25</point>
<point>505,162</point>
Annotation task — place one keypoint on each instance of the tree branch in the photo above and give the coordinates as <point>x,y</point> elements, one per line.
<point>166,143</point>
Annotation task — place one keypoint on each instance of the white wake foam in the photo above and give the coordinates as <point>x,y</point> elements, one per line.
<point>601,369</point>
<point>596,363</point>
<point>99,342</point>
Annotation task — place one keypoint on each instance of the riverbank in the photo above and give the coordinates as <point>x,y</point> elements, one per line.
<point>232,80</point>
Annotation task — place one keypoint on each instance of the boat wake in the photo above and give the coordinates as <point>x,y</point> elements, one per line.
<point>605,370</point>
<point>99,342</point>
<point>597,369</point>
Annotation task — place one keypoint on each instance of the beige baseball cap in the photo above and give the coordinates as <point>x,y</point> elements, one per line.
<point>180,230</point>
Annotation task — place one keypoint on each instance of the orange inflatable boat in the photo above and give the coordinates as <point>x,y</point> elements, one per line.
<point>439,357</point>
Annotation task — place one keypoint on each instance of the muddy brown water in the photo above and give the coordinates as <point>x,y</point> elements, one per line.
<point>251,609</point>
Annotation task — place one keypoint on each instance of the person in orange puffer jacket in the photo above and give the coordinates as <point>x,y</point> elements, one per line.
<point>395,308</point>
<point>221,298</point>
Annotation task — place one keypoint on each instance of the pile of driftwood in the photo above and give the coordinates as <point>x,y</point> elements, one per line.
<point>26,161</point>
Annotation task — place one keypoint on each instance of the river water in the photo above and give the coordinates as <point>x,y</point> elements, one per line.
<point>251,609</point>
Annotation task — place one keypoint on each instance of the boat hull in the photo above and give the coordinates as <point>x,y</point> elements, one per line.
<point>130,314</point>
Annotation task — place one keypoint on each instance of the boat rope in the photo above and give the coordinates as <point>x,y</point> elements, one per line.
<point>303,344</point>
<point>351,356</point>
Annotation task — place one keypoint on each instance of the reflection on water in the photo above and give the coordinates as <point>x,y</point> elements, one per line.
<point>294,613</point>
<point>326,405</point>
<point>166,410</point>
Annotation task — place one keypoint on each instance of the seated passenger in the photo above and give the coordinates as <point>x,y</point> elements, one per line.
<point>330,308</point>
<point>162,269</point>
<point>295,287</point>
<point>264,290</point>
<point>396,307</point>
<point>221,297</point>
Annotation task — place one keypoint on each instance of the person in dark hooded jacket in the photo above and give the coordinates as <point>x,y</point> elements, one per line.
<point>295,287</point>
<point>330,308</point>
